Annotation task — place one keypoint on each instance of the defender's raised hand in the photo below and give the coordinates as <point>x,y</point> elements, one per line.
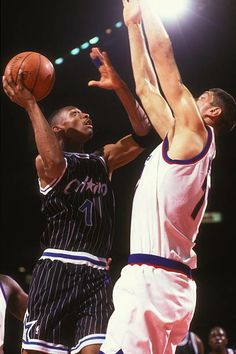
<point>131,12</point>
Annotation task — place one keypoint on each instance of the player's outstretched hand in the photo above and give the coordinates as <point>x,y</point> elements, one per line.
<point>17,92</point>
<point>109,79</point>
<point>131,12</point>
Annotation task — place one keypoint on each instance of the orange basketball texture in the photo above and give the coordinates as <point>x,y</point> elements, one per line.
<point>37,72</point>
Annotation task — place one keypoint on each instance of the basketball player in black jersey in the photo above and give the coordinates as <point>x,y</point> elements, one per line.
<point>70,294</point>
<point>191,344</point>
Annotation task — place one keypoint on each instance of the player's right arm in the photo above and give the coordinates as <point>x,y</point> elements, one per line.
<point>51,156</point>
<point>145,78</point>
<point>181,101</point>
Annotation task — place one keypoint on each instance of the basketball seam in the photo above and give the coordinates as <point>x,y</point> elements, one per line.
<point>21,64</point>
<point>37,74</point>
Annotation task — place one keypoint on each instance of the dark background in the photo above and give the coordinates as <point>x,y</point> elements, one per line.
<point>204,44</point>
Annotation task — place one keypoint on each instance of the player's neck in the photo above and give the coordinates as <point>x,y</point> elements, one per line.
<point>71,146</point>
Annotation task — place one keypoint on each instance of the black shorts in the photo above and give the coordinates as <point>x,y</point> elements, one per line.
<point>68,307</point>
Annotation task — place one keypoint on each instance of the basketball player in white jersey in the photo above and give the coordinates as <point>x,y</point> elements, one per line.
<point>155,296</point>
<point>12,298</point>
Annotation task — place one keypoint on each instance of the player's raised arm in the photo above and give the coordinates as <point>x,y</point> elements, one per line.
<point>48,147</point>
<point>110,80</point>
<point>178,96</point>
<point>130,146</point>
<point>145,78</point>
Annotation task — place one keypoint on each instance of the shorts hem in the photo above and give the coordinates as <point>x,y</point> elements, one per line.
<point>45,347</point>
<point>88,340</point>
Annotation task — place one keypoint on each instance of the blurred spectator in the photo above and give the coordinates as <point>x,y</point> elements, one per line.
<point>218,341</point>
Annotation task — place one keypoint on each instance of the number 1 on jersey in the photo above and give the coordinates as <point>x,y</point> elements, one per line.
<point>87,209</point>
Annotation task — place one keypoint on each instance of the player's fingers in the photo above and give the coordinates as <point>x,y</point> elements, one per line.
<point>94,83</point>
<point>97,62</point>
<point>7,88</point>
<point>10,81</point>
<point>106,58</point>
<point>98,53</point>
<point>92,55</point>
<point>125,2</point>
<point>93,52</point>
<point>19,80</point>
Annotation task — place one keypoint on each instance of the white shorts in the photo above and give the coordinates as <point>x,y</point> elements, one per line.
<point>153,311</point>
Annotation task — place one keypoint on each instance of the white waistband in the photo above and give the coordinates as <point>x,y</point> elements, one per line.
<point>74,257</point>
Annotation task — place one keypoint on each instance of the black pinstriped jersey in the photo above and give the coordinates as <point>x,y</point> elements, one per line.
<point>188,345</point>
<point>79,207</point>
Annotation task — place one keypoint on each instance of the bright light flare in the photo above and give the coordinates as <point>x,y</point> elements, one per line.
<point>75,51</point>
<point>85,45</point>
<point>59,61</point>
<point>94,40</point>
<point>171,8</point>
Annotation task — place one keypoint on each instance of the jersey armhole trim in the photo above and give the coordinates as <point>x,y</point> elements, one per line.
<point>102,160</point>
<point>50,186</point>
<point>165,147</point>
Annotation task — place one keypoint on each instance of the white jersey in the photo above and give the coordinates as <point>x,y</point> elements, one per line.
<point>169,203</point>
<point>3,306</point>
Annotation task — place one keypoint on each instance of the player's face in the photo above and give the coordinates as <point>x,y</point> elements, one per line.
<point>217,338</point>
<point>76,120</point>
<point>205,101</point>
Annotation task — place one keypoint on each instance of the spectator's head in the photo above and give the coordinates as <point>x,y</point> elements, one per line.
<point>217,339</point>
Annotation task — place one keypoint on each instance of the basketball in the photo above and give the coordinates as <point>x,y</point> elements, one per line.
<point>38,74</point>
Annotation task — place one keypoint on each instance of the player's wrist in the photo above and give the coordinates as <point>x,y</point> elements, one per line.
<point>30,104</point>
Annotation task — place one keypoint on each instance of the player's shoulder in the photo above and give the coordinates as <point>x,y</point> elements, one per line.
<point>96,156</point>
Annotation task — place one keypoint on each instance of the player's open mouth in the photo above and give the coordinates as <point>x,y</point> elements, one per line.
<point>88,123</point>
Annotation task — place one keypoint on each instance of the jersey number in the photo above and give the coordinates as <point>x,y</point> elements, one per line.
<point>87,209</point>
<point>201,201</point>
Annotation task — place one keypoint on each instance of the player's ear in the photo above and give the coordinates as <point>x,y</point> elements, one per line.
<point>56,129</point>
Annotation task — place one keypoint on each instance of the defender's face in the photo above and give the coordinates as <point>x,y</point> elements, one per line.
<point>205,101</point>
<point>217,338</point>
<point>76,120</point>
<point>205,104</point>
